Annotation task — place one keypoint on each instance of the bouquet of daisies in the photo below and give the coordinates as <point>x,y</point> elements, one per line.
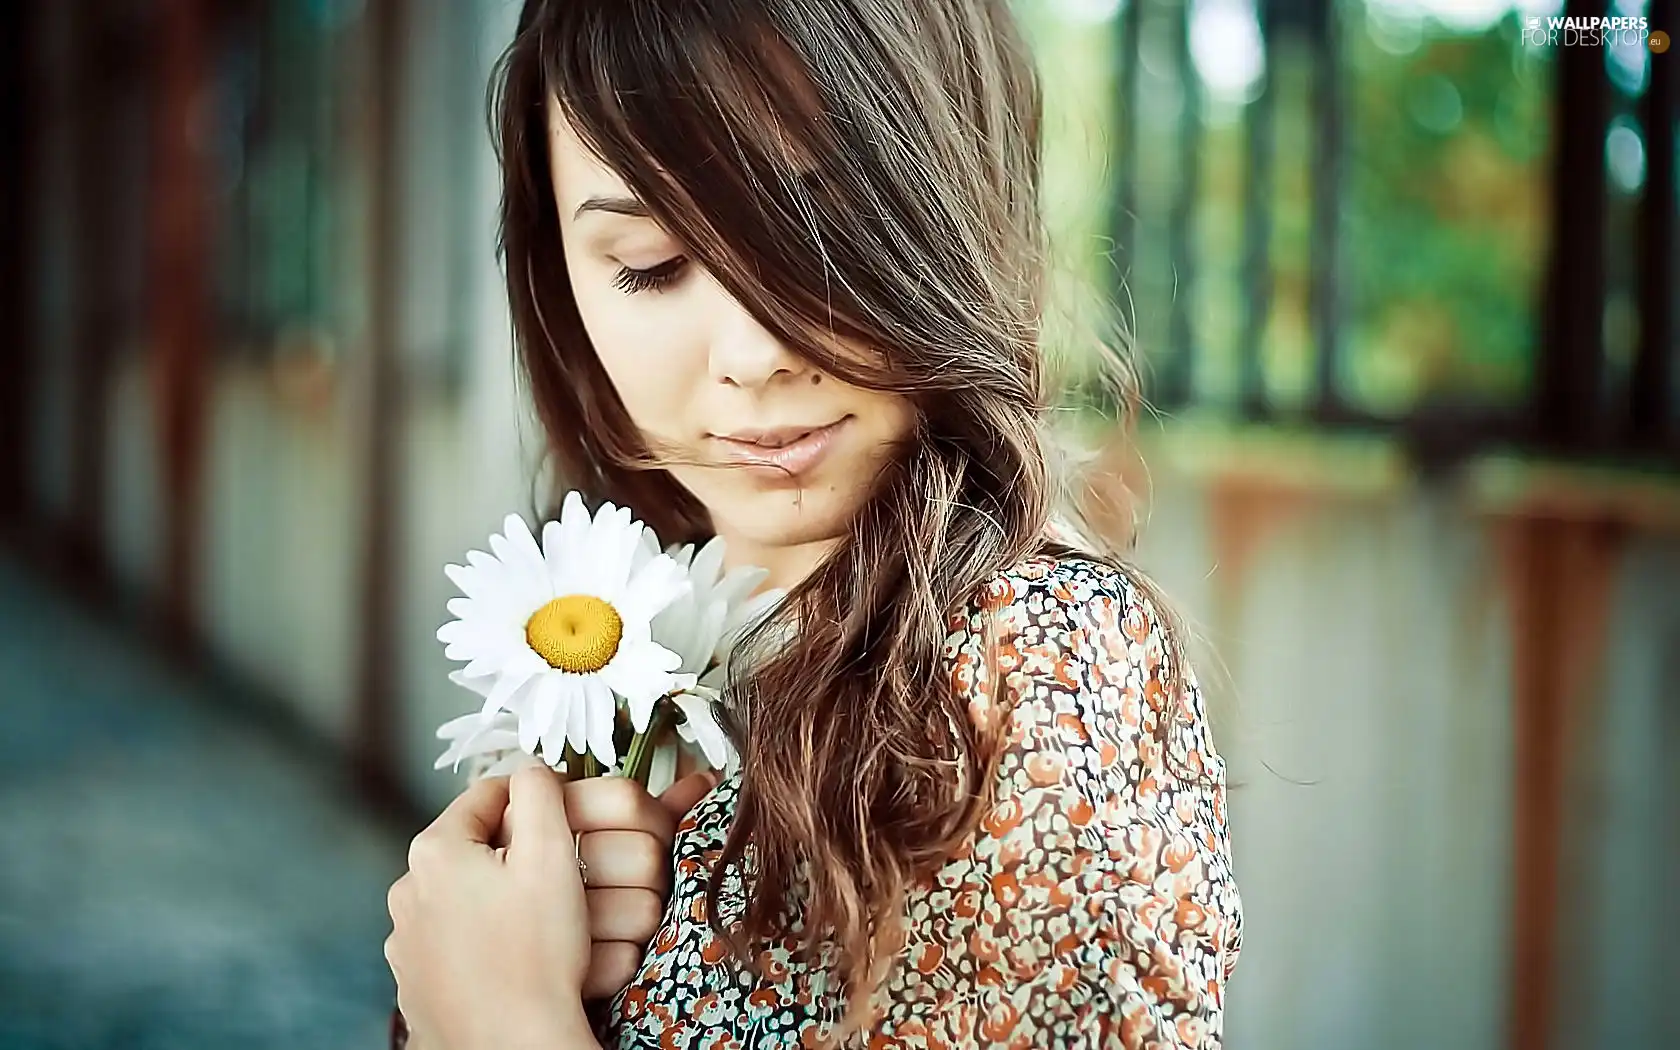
<point>594,651</point>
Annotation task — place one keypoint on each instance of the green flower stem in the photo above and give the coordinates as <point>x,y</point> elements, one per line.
<point>638,764</point>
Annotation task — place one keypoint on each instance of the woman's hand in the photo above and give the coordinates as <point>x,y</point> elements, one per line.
<point>490,945</point>
<point>625,837</point>
<point>486,924</point>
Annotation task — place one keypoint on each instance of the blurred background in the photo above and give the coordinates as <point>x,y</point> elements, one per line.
<point>1402,278</point>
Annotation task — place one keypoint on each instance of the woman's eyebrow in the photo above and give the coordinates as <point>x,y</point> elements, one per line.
<point>630,206</point>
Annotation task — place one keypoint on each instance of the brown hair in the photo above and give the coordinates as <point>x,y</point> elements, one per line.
<point>853,173</point>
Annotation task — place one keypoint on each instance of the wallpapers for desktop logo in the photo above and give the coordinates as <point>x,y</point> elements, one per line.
<point>1596,31</point>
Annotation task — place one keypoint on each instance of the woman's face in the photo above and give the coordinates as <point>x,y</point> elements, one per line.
<point>791,450</point>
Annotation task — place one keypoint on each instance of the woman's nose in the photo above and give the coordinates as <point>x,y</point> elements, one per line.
<point>744,353</point>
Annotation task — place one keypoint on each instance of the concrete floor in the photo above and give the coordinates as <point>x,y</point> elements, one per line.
<point>171,874</point>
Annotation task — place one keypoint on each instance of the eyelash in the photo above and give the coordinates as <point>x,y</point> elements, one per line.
<point>653,279</point>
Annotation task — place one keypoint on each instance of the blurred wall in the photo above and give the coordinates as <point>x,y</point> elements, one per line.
<point>280,591</point>
<point>1358,650</point>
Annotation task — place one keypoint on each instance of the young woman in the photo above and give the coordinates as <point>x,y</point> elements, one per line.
<point>777,272</point>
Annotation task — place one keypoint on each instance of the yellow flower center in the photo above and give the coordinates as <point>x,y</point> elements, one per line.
<point>578,633</point>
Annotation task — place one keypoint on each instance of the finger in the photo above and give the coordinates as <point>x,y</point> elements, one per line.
<point>618,914</point>
<point>536,812</point>
<point>617,804</point>
<point>626,859</point>
<point>682,796</point>
<point>474,816</point>
<point>612,965</point>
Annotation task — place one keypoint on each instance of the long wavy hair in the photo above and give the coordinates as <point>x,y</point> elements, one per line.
<point>853,173</point>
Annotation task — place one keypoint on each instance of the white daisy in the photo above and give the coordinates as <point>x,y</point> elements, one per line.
<point>703,627</point>
<point>475,737</point>
<point>489,750</point>
<point>662,769</point>
<point>553,634</point>
<point>700,728</point>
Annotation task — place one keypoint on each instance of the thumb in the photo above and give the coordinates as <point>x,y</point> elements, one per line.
<point>681,797</point>
<point>536,810</point>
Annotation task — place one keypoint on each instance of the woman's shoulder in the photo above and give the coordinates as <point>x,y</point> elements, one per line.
<point>1060,595</point>
<point>1063,638</point>
<point>1095,894</point>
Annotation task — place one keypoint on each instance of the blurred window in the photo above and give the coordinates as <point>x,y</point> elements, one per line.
<point>281,102</point>
<point>1351,212</point>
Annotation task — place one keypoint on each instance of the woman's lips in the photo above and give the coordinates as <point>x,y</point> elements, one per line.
<point>792,459</point>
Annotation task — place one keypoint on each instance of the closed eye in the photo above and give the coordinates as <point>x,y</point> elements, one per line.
<point>655,278</point>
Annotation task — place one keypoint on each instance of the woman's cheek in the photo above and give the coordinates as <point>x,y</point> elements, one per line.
<point>655,385</point>
<point>637,388</point>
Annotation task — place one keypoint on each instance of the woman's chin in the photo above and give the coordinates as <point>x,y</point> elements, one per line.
<point>791,517</point>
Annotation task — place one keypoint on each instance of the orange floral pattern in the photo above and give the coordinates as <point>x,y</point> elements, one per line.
<point>1095,906</point>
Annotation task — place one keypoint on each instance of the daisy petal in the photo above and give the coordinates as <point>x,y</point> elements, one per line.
<point>481,685</point>
<point>567,549</point>
<point>499,589</point>
<point>659,583</point>
<point>708,632</point>
<point>601,710</point>
<point>469,631</point>
<point>525,575</point>
<point>527,557</point>
<point>530,734</point>
<point>641,711</point>
<point>739,584</point>
<point>513,678</point>
<point>498,659</point>
<point>545,701</point>
<point>480,641</point>
<point>553,546</point>
<point>475,744</point>
<point>554,745</point>
<point>662,770</point>
<point>498,740</point>
<point>709,562</point>
<point>748,614</point>
<point>641,673</point>
<point>468,581</point>
<point>480,667</point>
<point>576,701</point>
<point>700,726</point>
<point>618,537</point>
<point>466,725</point>
<point>646,551</point>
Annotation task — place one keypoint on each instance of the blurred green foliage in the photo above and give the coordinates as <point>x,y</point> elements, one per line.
<point>1444,198</point>
<point>1445,229</point>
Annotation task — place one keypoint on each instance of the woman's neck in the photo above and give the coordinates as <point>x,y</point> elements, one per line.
<point>787,565</point>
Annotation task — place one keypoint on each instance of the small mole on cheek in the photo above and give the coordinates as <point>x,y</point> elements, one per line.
<point>816,377</point>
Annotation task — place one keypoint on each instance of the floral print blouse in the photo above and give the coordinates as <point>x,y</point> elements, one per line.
<point>1095,906</point>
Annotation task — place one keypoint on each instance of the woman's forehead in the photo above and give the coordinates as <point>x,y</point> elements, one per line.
<point>578,173</point>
